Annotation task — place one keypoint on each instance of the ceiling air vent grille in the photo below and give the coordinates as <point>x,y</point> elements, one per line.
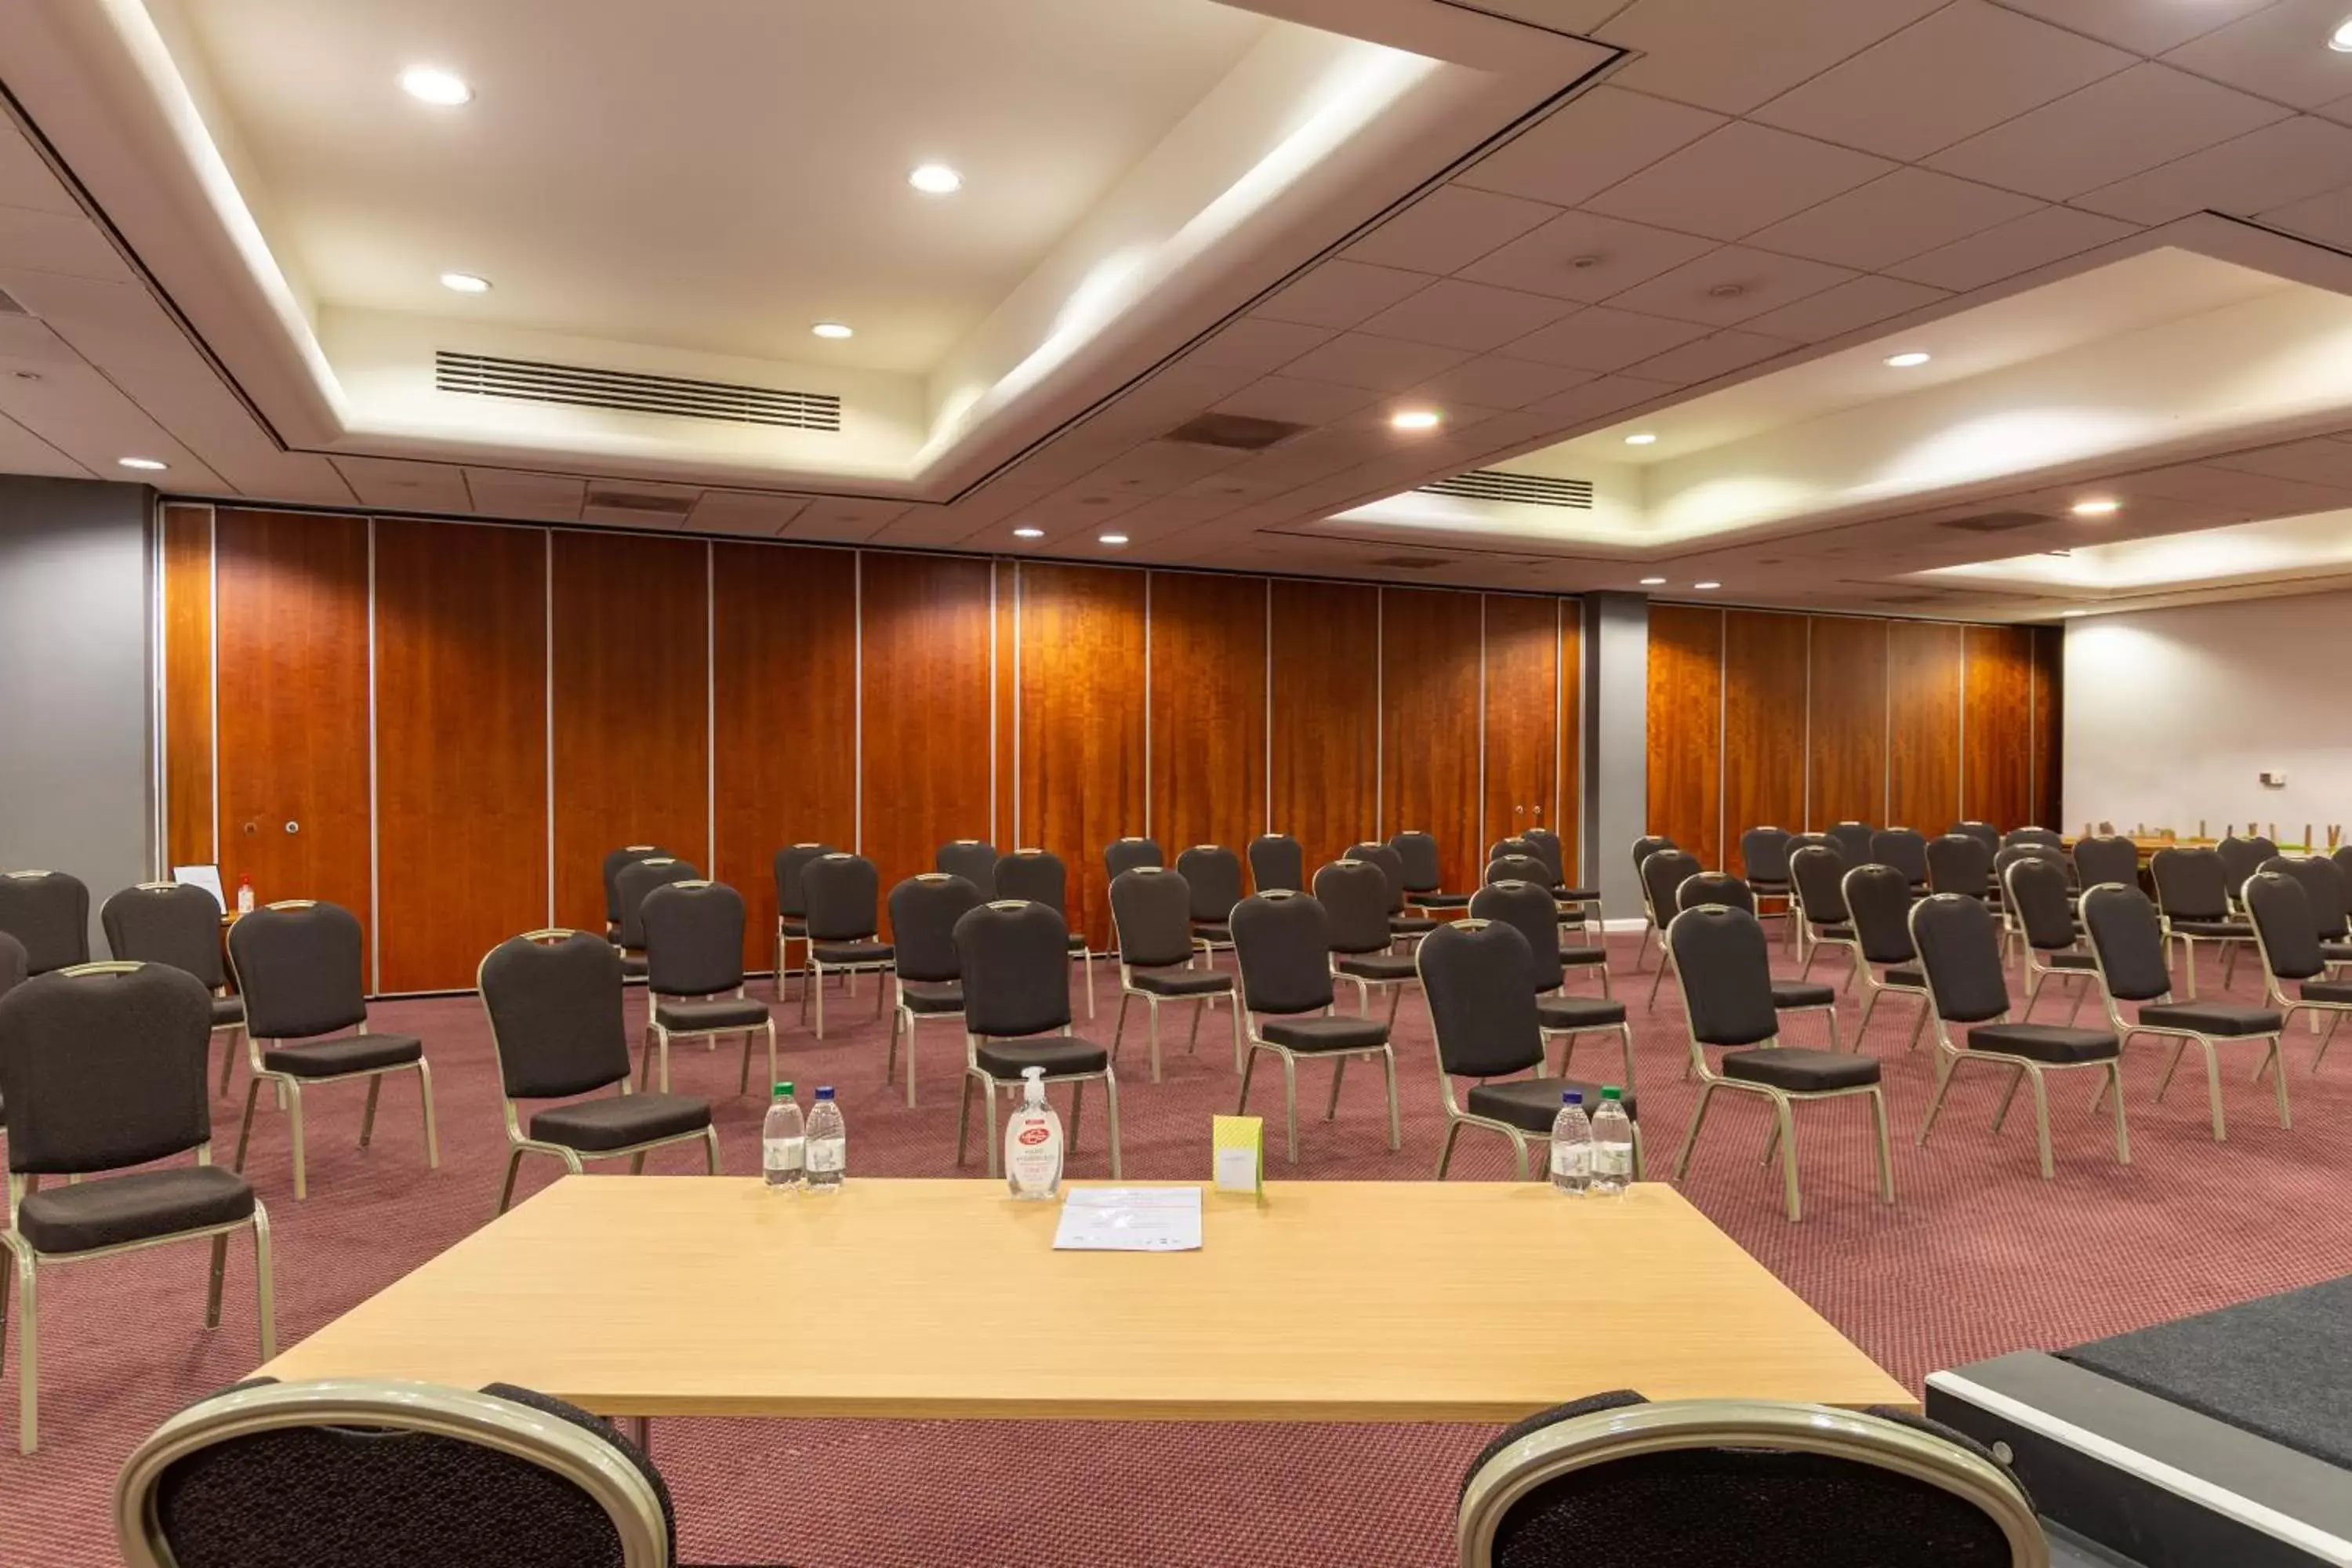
<point>1410,563</point>
<point>634,391</point>
<point>1528,490</point>
<point>1235,432</point>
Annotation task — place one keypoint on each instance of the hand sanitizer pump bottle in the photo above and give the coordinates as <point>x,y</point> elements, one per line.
<point>1032,1142</point>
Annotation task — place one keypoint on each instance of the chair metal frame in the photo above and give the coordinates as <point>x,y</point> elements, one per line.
<point>812,981</point>
<point>1626,1431</point>
<point>1385,1050</point>
<point>1108,1076</point>
<point>28,1259</point>
<point>570,1451</point>
<point>1874,985</point>
<point>289,1086</point>
<point>234,1031</point>
<point>657,1034</point>
<point>520,1143</point>
<point>1204,1003</point>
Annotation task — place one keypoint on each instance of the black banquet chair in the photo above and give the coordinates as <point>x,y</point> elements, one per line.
<point>1529,907</point>
<point>1878,903</point>
<point>2048,838</point>
<point>1721,888</point>
<point>1283,943</point>
<point>1852,840</point>
<point>2106,858</point>
<point>2241,859</point>
<point>1403,926</point>
<point>1724,1481</point>
<point>297,967</point>
<point>969,859</point>
<point>1017,1015</point>
<point>2194,898</point>
<point>553,1001</point>
<point>2279,906</point>
<point>1817,872</point>
<point>1508,865</point>
<point>1649,844</point>
<point>1277,864</point>
<point>347,1473</point>
<point>694,975</point>
<point>1424,883</point>
<point>1662,874</point>
<point>1125,854</point>
<point>48,911</point>
<point>1984,833</point>
<point>103,1067</point>
<point>1579,905</point>
<point>635,880</point>
<point>792,909</point>
<point>924,910</point>
<point>1960,863</point>
<point>624,855</point>
<point>1764,862</point>
<point>843,896</point>
<point>1905,849</point>
<point>2037,903</point>
<point>1354,898</point>
<point>1151,914</point>
<point>1039,877</point>
<point>2324,898</point>
<point>1213,874</point>
<point>174,924</point>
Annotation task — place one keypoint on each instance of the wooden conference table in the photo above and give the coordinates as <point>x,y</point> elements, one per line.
<point>1381,1302</point>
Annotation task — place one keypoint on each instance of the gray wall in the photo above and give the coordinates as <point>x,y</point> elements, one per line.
<point>1616,746</point>
<point>76,775</point>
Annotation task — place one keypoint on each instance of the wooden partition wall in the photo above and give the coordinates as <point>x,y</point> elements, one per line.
<point>460,719</point>
<point>1798,722</point>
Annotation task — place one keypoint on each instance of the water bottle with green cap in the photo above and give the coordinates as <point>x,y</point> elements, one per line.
<point>1613,1145</point>
<point>782,1146</point>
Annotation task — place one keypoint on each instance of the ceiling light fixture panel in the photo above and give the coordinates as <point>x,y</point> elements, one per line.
<point>1907,359</point>
<point>465,283</point>
<point>935,179</point>
<point>435,85</point>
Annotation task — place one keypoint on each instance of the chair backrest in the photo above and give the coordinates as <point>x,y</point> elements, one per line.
<point>1959,863</point>
<point>1764,857</point>
<point>1391,867</point>
<point>2127,936</point>
<point>1517,843</point>
<point>1878,900</point>
<point>1743,1482</point>
<point>1417,852</point>
<point>1661,873</point>
<point>1016,967</point>
<point>1547,850</point>
<point>1354,898</point>
<point>2342,855</point>
<point>1127,853</point>
<point>1715,887</point>
<point>553,1000</point>
<point>1276,862</point>
<point>1283,943</point>
<point>1213,874</point>
<point>612,864</point>
<point>102,1066</point>
<point>1961,955</point>
<point>1817,871</point>
<point>13,965</point>
<point>2048,837</point>
<point>2106,858</point>
<point>391,1475</point>
<point>166,923</point>
<point>1528,905</point>
<point>1905,848</point>
<point>843,898</point>
<point>967,858</point>
<point>297,968</point>
<point>790,862</point>
<point>924,910</point>
<point>2323,890</point>
<point>2241,857</point>
<point>1853,841</point>
<point>2191,883</point>
<point>1520,869</point>
<point>1035,875</point>
<point>2009,855</point>
<point>2280,913</point>
<point>1807,841</point>
<point>48,911</point>
<point>1725,965</point>
<point>2036,887</point>
<point>1649,844</point>
<point>694,939</point>
<point>1984,833</point>
<point>1151,914</point>
<point>639,877</point>
<point>1476,974</point>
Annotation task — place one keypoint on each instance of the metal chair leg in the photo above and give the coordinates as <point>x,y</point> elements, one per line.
<point>1446,1149</point>
<point>265,1285</point>
<point>1396,1129</point>
<point>1290,1101</point>
<point>2276,1056</point>
<point>963,1121</point>
<point>1788,1125</point>
<point>245,1128</point>
<point>1690,1135</point>
<point>1152,1008</point>
<point>1339,1075</point>
<point>1077,1102</point>
<point>1238,1047</point>
<point>2015,1078</point>
<point>1118,1028</point>
<point>1885,1154</point>
<point>1110,1114</point>
<point>987,1090</point>
<point>213,1287</point>
<point>2041,1120</point>
<point>28,1353</point>
<point>294,1123</point>
<point>710,1149</point>
<point>1944,1066</point>
<point>2123,1134</point>
<point>367,1116</point>
<point>506,1192</point>
<point>432,1133</point>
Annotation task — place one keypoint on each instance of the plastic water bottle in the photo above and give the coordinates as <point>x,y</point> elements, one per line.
<point>1612,1145</point>
<point>1571,1146</point>
<point>782,1145</point>
<point>1032,1142</point>
<point>828,1145</point>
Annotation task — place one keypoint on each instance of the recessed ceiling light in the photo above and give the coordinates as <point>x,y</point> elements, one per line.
<point>1111,538</point>
<point>1028,534</point>
<point>148,465</point>
<point>1654,582</point>
<point>465,283</point>
<point>430,84</point>
<point>1414,419</point>
<point>1641,439</point>
<point>2100,506</point>
<point>2340,40</point>
<point>1905,360</point>
<point>1705,586</point>
<point>935,179</point>
<point>2069,615</point>
<point>833,329</point>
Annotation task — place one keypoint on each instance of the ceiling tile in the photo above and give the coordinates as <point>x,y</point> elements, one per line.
<point>1585,257</point>
<point>745,512</point>
<point>394,485</point>
<point>2280,53</point>
<point>1459,315</point>
<point>1298,402</point>
<point>1601,339</point>
<point>533,497</point>
<point>2318,462</point>
<point>1719,355</point>
<point>26,180</point>
<point>1733,57</point>
<point>1580,405</point>
<point>2019,246</point>
<point>58,242</point>
<point>1964,70</point>
<point>2236,489</point>
<point>2143,27</point>
<point>842,517</point>
<point>2326,218</point>
<point>2113,129</point>
<point>1340,294</point>
<point>1589,144</point>
<point>1898,215</point>
<point>22,452</point>
<point>2263,169</point>
<point>1448,229</point>
<point>1254,345</point>
<point>1497,382</point>
<point>1734,181</point>
<point>1842,309</point>
<point>1729,285</point>
<point>1384,364</point>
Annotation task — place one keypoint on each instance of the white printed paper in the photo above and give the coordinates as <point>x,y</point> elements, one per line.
<point>1237,1170</point>
<point>1130,1219</point>
<point>205,877</point>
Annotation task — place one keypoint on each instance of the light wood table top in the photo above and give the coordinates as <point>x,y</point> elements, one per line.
<point>1391,1301</point>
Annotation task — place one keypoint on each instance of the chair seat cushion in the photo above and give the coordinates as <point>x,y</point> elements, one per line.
<point>2327,991</point>
<point>1057,1054</point>
<point>2069,961</point>
<point>2214,928</point>
<point>1376,966</point>
<point>1530,1103</point>
<point>1578,1012</point>
<point>1833,933</point>
<point>2211,1017</point>
<point>1568,895</point>
<point>1909,974</point>
<point>1411,925</point>
<point>2336,952</point>
<point>620,1120</point>
<point>1078,943</point>
<point>344,1053</point>
<point>1182,982</point>
<point>110,1210</point>
<point>1215,931</point>
<point>931,996</point>
<point>1803,993</point>
<point>716,1012</point>
<point>2043,1042</point>
<point>1431,898</point>
<point>633,965</point>
<point>1583,957</point>
<point>791,928</point>
<point>227,1012</point>
<point>853,951</point>
<point>1804,1072</point>
<point>1324,1034</point>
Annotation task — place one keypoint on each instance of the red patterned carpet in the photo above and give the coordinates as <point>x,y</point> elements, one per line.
<point>1979,1257</point>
